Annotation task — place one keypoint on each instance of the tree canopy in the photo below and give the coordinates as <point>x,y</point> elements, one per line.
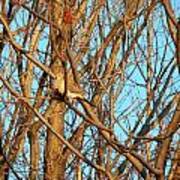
<point>89,89</point>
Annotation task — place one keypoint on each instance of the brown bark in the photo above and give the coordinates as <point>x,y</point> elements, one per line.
<point>94,61</point>
<point>54,160</point>
<point>175,168</point>
<point>164,148</point>
<point>35,153</point>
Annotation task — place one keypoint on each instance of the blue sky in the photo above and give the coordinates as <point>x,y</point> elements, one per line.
<point>131,96</point>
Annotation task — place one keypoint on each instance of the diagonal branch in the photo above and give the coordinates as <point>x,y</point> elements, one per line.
<point>19,48</point>
<point>45,122</point>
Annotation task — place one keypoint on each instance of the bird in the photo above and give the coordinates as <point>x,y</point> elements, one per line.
<point>66,86</point>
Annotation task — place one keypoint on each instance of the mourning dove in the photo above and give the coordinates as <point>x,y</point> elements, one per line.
<point>73,90</point>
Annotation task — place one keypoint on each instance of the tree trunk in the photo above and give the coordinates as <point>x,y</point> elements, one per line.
<point>54,161</point>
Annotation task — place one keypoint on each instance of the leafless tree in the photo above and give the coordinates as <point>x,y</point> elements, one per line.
<point>89,89</point>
